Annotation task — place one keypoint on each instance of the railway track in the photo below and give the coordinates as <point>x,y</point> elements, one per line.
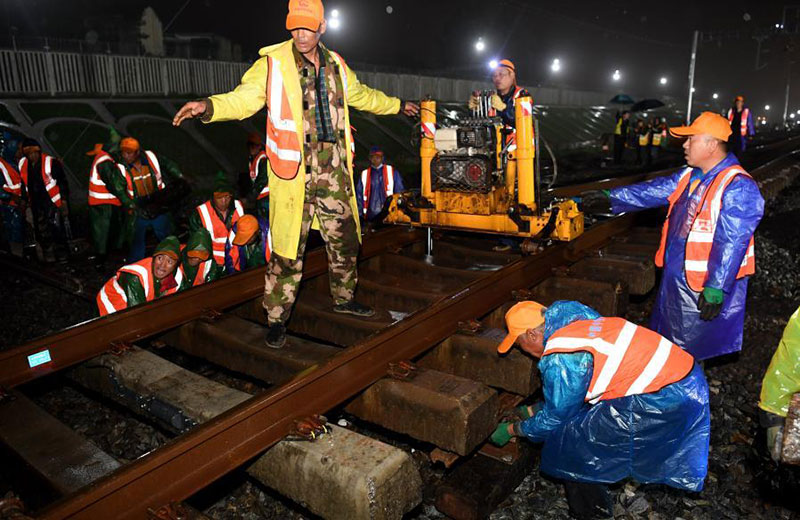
<point>424,366</point>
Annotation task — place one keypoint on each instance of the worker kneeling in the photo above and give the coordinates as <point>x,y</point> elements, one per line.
<point>143,281</point>
<point>619,401</point>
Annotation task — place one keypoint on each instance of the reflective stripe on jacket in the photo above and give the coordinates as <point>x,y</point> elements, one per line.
<point>50,183</point>
<point>112,297</point>
<point>628,359</point>
<point>254,166</point>
<point>703,227</point>
<point>155,169</point>
<point>98,191</point>
<point>742,120</point>
<point>12,183</point>
<point>217,228</point>
<point>388,183</point>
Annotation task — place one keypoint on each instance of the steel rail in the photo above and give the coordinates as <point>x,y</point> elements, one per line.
<point>89,339</point>
<point>187,464</point>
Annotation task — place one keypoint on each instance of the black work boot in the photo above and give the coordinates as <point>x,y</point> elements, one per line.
<point>354,308</point>
<point>276,335</point>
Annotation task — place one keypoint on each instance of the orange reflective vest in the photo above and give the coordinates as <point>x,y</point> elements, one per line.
<point>217,228</point>
<point>388,183</point>
<point>628,359</point>
<point>98,191</point>
<point>112,297</point>
<point>50,183</point>
<point>283,147</point>
<point>704,225</point>
<point>742,121</point>
<point>12,182</point>
<point>155,169</point>
<point>202,271</point>
<point>254,166</point>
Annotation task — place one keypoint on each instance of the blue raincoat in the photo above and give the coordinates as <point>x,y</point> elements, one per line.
<point>675,314</point>
<point>656,438</point>
<point>377,196</point>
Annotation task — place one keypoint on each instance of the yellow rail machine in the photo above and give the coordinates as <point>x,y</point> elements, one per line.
<point>480,177</point>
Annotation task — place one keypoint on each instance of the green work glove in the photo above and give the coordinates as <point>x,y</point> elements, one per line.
<point>524,411</point>
<point>500,437</point>
<point>710,303</point>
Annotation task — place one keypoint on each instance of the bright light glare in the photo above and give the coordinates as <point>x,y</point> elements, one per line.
<point>715,95</point>
<point>616,76</point>
<point>663,80</point>
<point>335,13</point>
<point>335,23</point>
<point>766,107</point>
<point>693,90</point>
<point>556,65</point>
<point>791,115</point>
<point>479,45</point>
<point>493,64</point>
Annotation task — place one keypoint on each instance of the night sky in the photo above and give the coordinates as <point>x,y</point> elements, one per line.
<point>644,40</point>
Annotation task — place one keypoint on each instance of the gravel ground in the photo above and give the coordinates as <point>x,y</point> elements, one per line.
<point>741,484</point>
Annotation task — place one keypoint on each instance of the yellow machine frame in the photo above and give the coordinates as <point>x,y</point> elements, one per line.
<point>510,209</point>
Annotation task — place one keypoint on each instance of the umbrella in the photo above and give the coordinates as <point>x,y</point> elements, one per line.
<point>621,99</point>
<point>646,104</point>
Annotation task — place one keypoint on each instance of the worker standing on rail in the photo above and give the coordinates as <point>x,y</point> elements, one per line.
<point>658,132</point>
<point>12,206</point>
<point>642,132</point>
<point>218,215</point>
<point>154,183</point>
<point>620,401</point>
<point>259,175</point>
<point>109,203</point>
<point>504,77</point>
<point>197,263</point>
<point>143,281</point>
<point>376,184</point>
<point>707,241</point>
<point>46,192</point>
<point>308,96</point>
<point>247,245</point>
<point>742,127</point>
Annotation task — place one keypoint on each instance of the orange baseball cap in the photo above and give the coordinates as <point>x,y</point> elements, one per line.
<point>507,64</point>
<point>739,98</point>
<point>520,318</point>
<point>130,144</point>
<point>305,14</point>
<point>706,123</point>
<point>246,227</point>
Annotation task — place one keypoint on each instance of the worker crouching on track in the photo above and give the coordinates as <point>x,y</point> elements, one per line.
<point>309,92</point>
<point>620,401</point>
<point>247,245</point>
<point>707,249</point>
<point>218,215</point>
<point>376,184</point>
<point>197,262</point>
<point>143,281</point>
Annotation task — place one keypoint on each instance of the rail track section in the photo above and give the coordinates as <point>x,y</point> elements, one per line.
<point>424,367</point>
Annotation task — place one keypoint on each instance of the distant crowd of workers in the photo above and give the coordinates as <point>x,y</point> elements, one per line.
<point>619,400</point>
<point>648,138</point>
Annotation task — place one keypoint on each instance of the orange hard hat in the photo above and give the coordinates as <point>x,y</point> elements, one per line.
<point>305,14</point>
<point>507,64</point>
<point>706,123</point>
<point>520,318</point>
<point>129,144</point>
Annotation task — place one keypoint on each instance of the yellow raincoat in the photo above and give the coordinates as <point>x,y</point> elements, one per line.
<point>782,379</point>
<point>286,197</point>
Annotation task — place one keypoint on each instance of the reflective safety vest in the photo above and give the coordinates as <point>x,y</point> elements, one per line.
<point>254,166</point>
<point>50,183</point>
<point>216,227</point>
<point>98,191</point>
<point>656,138</point>
<point>233,250</point>
<point>628,359</point>
<point>12,183</point>
<point>112,297</point>
<point>742,120</point>
<point>283,146</point>
<point>644,139</point>
<point>203,268</point>
<point>704,225</point>
<point>155,169</point>
<point>388,183</point>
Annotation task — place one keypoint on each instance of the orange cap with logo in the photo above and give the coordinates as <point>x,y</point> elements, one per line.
<point>706,123</point>
<point>520,318</point>
<point>305,14</point>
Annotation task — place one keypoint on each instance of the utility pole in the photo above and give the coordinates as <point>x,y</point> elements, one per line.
<point>691,76</point>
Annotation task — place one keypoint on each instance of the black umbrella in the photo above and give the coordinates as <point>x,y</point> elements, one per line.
<point>621,99</point>
<point>646,104</point>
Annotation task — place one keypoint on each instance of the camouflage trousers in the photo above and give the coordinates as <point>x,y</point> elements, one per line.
<point>328,198</point>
